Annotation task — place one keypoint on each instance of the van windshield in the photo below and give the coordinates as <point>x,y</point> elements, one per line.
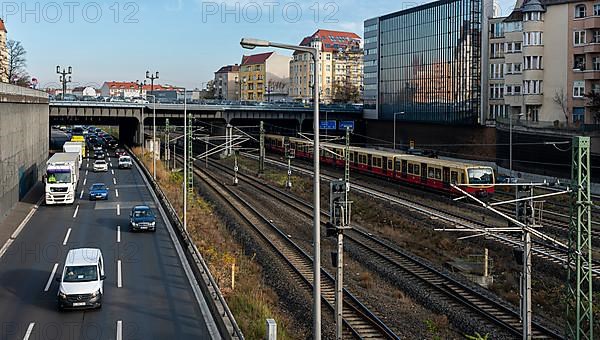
<point>80,274</point>
<point>481,176</point>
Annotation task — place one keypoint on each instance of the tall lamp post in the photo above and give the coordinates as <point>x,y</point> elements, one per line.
<point>140,85</point>
<point>153,135</point>
<point>396,114</point>
<point>63,78</point>
<point>152,77</point>
<point>314,51</point>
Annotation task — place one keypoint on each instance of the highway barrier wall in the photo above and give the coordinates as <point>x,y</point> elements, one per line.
<point>223,317</point>
<point>24,126</point>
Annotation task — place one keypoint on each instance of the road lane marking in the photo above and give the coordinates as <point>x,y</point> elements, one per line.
<point>117,192</point>
<point>119,278</point>
<point>118,234</point>
<point>51,278</point>
<point>76,210</point>
<point>84,180</point>
<point>118,210</point>
<point>114,181</point>
<point>86,172</point>
<point>81,195</point>
<point>29,330</point>
<point>119,330</point>
<point>112,171</point>
<point>21,226</point>
<point>67,237</point>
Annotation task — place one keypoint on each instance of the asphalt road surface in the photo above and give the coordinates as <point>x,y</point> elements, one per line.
<point>147,292</point>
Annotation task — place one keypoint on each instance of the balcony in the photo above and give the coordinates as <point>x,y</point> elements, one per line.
<point>591,75</point>
<point>593,47</point>
<point>591,22</point>
<point>533,99</point>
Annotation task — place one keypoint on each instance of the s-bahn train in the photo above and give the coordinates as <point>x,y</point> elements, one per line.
<point>432,173</point>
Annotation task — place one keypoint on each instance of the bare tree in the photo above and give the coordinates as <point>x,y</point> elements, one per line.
<point>560,99</point>
<point>594,104</point>
<point>17,63</point>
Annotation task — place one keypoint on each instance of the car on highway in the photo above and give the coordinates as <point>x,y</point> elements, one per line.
<point>99,154</point>
<point>125,162</point>
<point>142,218</point>
<point>112,143</point>
<point>100,165</point>
<point>98,146</point>
<point>98,191</point>
<point>120,152</point>
<point>82,279</point>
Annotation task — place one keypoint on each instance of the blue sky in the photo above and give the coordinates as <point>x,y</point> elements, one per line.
<point>186,40</point>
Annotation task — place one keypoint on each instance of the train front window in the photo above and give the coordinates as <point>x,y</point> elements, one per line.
<point>480,176</point>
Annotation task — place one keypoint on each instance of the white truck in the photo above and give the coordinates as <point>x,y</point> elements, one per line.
<point>61,178</point>
<point>75,147</point>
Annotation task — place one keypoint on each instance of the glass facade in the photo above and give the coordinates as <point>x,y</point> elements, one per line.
<point>429,60</point>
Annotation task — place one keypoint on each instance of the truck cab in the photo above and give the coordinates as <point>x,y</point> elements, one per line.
<point>61,178</point>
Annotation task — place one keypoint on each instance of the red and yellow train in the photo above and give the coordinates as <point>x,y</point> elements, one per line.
<point>432,173</point>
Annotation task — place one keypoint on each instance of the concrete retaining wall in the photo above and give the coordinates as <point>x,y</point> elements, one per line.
<point>24,127</point>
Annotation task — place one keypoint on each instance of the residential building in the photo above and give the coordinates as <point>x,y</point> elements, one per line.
<point>423,64</point>
<point>81,91</point>
<point>130,89</point>
<point>341,67</point>
<point>264,77</point>
<point>3,54</point>
<point>227,82</point>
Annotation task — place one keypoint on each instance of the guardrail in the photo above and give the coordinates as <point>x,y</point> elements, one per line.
<point>227,325</point>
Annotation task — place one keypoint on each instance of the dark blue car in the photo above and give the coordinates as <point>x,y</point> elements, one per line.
<point>98,191</point>
<point>142,218</point>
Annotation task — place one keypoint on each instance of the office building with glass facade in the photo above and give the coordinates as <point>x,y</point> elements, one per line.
<point>423,64</point>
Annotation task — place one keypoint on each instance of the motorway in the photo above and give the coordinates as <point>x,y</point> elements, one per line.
<point>147,292</point>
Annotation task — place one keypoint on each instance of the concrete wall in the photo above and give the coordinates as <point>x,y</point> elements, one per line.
<point>556,61</point>
<point>23,142</point>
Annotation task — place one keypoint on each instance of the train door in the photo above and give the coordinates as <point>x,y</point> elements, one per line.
<point>424,171</point>
<point>404,167</point>
<point>369,161</point>
<point>397,167</point>
<point>390,167</point>
<point>446,176</point>
<point>384,166</point>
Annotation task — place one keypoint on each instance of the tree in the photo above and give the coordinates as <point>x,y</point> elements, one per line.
<point>594,104</point>
<point>345,92</point>
<point>210,90</point>
<point>560,99</point>
<point>17,63</point>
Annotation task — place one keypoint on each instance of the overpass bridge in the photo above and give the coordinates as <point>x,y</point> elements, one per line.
<point>130,117</point>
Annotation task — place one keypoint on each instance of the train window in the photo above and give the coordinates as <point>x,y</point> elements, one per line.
<point>397,165</point>
<point>390,164</point>
<point>351,157</point>
<point>438,173</point>
<point>377,162</point>
<point>431,172</point>
<point>453,177</point>
<point>480,176</point>
<point>417,168</point>
<point>410,168</point>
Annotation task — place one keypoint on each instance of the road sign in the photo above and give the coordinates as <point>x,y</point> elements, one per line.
<point>343,124</point>
<point>327,125</point>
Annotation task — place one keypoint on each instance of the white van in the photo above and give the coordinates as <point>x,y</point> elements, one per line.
<point>82,279</point>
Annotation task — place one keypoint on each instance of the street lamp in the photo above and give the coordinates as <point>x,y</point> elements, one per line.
<point>63,78</point>
<point>395,114</point>
<point>153,136</point>
<point>314,51</point>
<point>151,77</point>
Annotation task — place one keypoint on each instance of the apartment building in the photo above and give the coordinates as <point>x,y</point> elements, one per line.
<point>128,89</point>
<point>264,77</point>
<point>543,60</point>
<point>227,82</point>
<point>341,67</point>
<point>3,54</point>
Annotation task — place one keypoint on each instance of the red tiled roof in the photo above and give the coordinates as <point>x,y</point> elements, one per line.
<point>123,85</point>
<point>256,58</point>
<point>2,27</point>
<point>332,40</point>
<point>229,68</point>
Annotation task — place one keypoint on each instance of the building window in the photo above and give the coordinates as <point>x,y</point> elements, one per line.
<point>533,16</point>
<point>596,9</point>
<point>517,90</point>
<point>596,88</point>
<point>596,63</point>
<point>580,11</point>
<point>496,71</point>
<point>497,30</point>
<point>579,62</point>
<point>497,50</point>
<point>578,88</point>
<point>579,38</point>
<point>533,62</point>
<point>596,36</point>
<point>533,87</point>
<point>533,38</point>
<point>578,114</point>
<point>496,91</point>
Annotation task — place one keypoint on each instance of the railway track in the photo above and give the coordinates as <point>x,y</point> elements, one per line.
<point>441,284</point>
<point>359,321</point>
<point>541,250</point>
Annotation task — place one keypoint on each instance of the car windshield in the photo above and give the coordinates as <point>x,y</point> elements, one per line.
<point>100,162</point>
<point>142,213</point>
<point>98,187</point>
<point>480,176</point>
<point>124,159</point>
<point>80,274</point>
<point>59,177</point>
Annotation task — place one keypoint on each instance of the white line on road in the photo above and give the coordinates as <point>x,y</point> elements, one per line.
<point>51,278</point>
<point>112,171</point>
<point>118,234</point>
<point>119,278</point>
<point>21,226</point>
<point>114,181</point>
<point>117,192</point>
<point>118,210</point>
<point>86,172</point>
<point>29,330</point>
<point>67,237</point>
<point>84,180</point>
<point>76,211</point>
<point>119,330</point>
<point>81,194</point>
